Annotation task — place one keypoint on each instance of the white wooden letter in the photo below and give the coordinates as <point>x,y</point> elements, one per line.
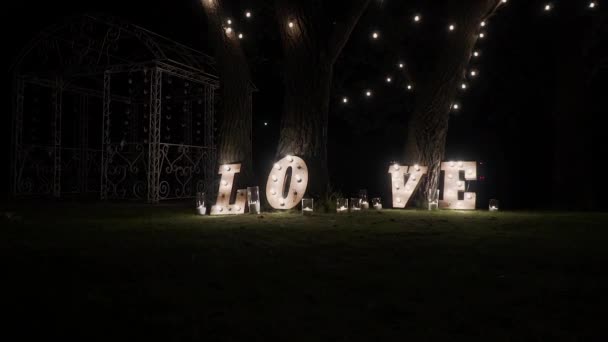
<point>222,205</point>
<point>281,195</point>
<point>403,189</point>
<point>453,184</point>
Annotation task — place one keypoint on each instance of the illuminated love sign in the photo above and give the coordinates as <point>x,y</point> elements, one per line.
<point>288,180</point>
<point>222,205</point>
<point>287,183</point>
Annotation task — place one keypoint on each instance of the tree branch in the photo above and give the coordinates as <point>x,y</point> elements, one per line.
<point>344,28</point>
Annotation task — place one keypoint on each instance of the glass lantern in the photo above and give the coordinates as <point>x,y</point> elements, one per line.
<point>253,198</point>
<point>377,203</point>
<point>493,205</point>
<point>307,206</point>
<point>363,197</point>
<point>201,209</point>
<point>342,205</point>
<point>434,201</point>
<point>355,204</point>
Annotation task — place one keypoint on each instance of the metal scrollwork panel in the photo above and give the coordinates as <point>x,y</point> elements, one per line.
<point>126,170</point>
<point>183,170</point>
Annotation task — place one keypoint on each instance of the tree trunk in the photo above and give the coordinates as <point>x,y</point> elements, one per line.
<point>235,145</point>
<point>437,91</point>
<point>571,118</point>
<point>312,40</point>
<point>305,119</point>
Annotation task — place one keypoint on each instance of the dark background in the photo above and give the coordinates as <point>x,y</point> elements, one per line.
<point>506,121</point>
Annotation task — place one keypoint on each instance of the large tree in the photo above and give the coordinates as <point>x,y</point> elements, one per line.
<point>235,127</point>
<point>578,58</point>
<point>437,83</point>
<point>313,33</point>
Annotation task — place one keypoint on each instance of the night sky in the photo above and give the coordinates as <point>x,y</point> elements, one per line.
<point>506,117</point>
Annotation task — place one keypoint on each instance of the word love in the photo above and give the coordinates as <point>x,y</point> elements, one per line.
<point>288,180</point>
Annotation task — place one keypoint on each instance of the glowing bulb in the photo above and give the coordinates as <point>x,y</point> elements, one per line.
<point>483,24</point>
<point>456,106</point>
<point>476,53</point>
<point>452,27</point>
<point>290,24</point>
<point>228,30</point>
<point>388,80</point>
<point>548,7</point>
<point>409,87</point>
<point>417,18</point>
<point>504,1</point>
<point>592,4</point>
<point>229,22</point>
<point>240,36</point>
<point>482,35</point>
<point>368,93</point>
<point>248,14</point>
<point>375,35</point>
<point>401,65</point>
<point>265,123</point>
<point>277,166</point>
<point>345,100</point>
<point>473,73</point>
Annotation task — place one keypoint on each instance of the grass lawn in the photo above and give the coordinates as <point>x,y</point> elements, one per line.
<point>133,271</point>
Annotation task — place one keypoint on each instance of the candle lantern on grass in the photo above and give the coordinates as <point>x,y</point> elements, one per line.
<point>307,206</point>
<point>434,201</point>
<point>201,209</point>
<point>355,204</point>
<point>363,197</point>
<point>342,205</point>
<point>493,205</point>
<point>377,203</point>
<point>253,198</point>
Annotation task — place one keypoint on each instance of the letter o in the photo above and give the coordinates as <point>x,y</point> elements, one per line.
<point>277,183</point>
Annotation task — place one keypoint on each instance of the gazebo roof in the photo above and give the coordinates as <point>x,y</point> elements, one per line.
<point>92,43</point>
